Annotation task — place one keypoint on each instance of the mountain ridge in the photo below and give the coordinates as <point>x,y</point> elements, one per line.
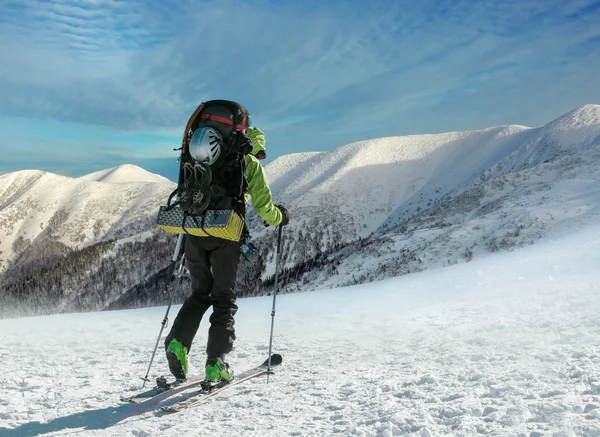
<point>73,211</point>
<point>126,173</point>
<point>510,147</point>
<point>375,208</point>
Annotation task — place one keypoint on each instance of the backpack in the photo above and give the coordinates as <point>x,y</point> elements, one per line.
<point>222,184</point>
<point>209,199</point>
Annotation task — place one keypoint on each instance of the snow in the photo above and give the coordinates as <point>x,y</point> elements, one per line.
<point>442,198</point>
<point>579,126</point>
<point>506,345</point>
<point>363,185</point>
<point>36,205</point>
<point>124,174</point>
<point>371,179</point>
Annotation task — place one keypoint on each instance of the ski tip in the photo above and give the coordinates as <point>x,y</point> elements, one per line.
<point>276,360</point>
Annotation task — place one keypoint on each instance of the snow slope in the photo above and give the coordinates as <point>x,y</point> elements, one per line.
<point>38,206</point>
<point>502,346</point>
<point>123,174</point>
<point>431,200</point>
<point>364,182</point>
<point>358,187</point>
<point>495,214</point>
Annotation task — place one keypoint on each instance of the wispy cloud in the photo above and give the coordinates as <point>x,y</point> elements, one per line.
<point>315,74</point>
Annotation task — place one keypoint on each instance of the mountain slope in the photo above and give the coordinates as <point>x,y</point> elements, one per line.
<point>365,182</point>
<point>123,174</point>
<point>37,207</point>
<point>499,180</point>
<point>364,211</point>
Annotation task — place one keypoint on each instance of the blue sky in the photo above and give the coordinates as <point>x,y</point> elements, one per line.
<point>91,84</point>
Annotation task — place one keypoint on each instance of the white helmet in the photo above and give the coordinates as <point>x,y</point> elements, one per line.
<point>205,145</point>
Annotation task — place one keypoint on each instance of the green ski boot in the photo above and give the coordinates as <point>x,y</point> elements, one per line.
<point>217,370</point>
<point>177,358</point>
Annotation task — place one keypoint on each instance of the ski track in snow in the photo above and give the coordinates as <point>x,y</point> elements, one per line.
<point>504,346</point>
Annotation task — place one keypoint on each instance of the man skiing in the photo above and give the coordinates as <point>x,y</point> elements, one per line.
<point>213,264</point>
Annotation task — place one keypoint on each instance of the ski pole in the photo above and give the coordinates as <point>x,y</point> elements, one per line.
<point>170,271</point>
<point>277,256</point>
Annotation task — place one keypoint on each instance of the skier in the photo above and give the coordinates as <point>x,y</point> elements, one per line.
<point>213,264</point>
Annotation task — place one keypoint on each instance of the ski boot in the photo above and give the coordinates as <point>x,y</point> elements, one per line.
<point>177,358</point>
<point>217,370</point>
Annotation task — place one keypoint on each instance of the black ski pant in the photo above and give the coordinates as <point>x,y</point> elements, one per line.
<point>213,264</point>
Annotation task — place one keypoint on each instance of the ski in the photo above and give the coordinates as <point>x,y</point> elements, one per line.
<point>163,386</point>
<point>205,394</point>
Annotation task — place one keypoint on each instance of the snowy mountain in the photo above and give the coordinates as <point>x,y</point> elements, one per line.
<point>430,200</point>
<point>367,182</point>
<point>361,212</point>
<point>124,174</point>
<point>503,346</point>
<point>70,244</point>
<point>40,208</point>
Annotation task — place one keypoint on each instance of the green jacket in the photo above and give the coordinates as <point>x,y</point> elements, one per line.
<point>258,139</point>
<point>258,187</point>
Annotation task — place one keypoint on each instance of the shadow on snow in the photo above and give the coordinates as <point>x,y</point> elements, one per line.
<point>87,420</point>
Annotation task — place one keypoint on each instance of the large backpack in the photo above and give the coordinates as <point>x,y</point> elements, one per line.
<point>207,190</point>
<point>221,185</point>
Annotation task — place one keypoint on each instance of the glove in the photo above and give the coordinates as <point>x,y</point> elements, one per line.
<point>285,215</point>
<point>242,143</point>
